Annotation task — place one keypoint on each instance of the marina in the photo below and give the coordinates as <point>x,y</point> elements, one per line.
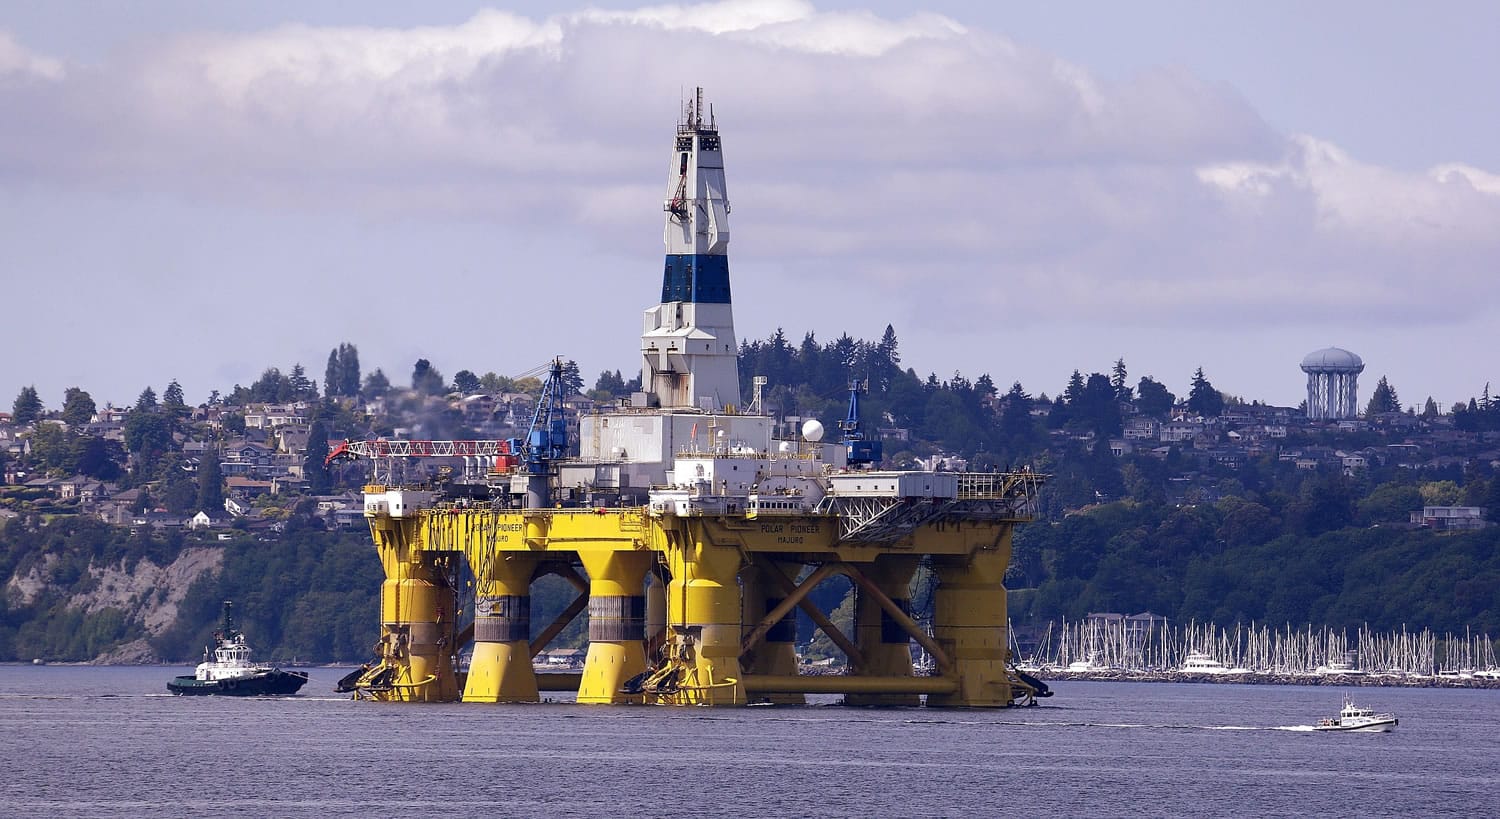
<point>1148,648</point>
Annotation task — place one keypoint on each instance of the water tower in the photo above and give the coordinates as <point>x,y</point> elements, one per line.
<point>1332,383</point>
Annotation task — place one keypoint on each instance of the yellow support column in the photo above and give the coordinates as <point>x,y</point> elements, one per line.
<point>416,616</point>
<point>776,653</point>
<point>969,624</point>
<point>500,670</point>
<point>703,618</point>
<point>882,641</point>
<point>617,624</point>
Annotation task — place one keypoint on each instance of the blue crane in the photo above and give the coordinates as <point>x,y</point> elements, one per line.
<point>860,451</point>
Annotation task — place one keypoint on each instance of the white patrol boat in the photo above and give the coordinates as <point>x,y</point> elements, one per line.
<point>1356,718</point>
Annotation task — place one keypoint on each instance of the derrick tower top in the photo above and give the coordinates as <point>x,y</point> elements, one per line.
<point>687,344</point>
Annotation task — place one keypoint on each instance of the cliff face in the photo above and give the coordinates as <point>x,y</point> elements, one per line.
<point>145,595</point>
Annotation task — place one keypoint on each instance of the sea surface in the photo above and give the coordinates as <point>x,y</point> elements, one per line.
<point>109,741</point>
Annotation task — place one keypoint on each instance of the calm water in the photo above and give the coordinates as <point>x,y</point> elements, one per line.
<point>82,741</point>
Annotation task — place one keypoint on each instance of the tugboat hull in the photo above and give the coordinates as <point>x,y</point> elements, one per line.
<point>276,683</point>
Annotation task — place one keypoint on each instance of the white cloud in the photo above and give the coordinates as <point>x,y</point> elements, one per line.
<point>16,60</point>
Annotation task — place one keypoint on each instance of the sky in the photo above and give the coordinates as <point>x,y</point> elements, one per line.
<point>197,191</point>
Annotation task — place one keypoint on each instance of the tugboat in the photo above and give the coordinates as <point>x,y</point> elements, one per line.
<point>1357,718</point>
<point>230,672</point>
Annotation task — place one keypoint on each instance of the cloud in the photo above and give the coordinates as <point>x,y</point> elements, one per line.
<point>866,154</point>
<point>18,62</point>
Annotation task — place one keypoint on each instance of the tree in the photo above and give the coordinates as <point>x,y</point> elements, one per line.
<point>885,363</point>
<point>172,399</point>
<point>610,384</point>
<point>97,457</point>
<point>272,387</point>
<point>210,483</point>
<point>313,467</point>
<point>341,376</point>
<point>572,380</point>
<point>1117,380</point>
<point>496,384</point>
<point>1382,400</point>
<point>1203,399</point>
<point>466,382</point>
<point>78,408</point>
<point>1430,409</point>
<point>1153,397</point>
<point>303,389</point>
<point>148,436</point>
<point>376,384</point>
<point>146,401</point>
<point>27,407</point>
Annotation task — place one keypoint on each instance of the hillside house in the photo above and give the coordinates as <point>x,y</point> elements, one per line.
<point>1450,517</point>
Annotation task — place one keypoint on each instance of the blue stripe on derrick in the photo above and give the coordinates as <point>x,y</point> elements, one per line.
<point>696,277</point>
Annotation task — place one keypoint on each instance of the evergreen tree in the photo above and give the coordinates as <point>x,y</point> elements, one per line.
<point>27,407</point>
<point>333,374</point>
<point>78,407</point>
<point>572,379</point>
<point>1015,413</point>
<point>313,467</point>
<point>1430,409</point>
<point>146,402</point>
<point>349,369</point>
<point>210,483</point>
<point>173,405</point>
<point>886,361</point>
<point>1203,399</point>
<point>1382,400</point>
<point>303,389</point>
<point>1098,408</point>
<point>810,359</point>
<point>610,384</point>
<point>172,399</point>
<point>1117,380</point>
<point>272,387</point>
<point>1073,393</point>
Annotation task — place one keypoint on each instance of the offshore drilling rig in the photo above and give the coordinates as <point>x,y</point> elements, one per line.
<point>698,533</point>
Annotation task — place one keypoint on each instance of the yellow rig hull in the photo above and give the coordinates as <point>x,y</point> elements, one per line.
<point>691,610</point>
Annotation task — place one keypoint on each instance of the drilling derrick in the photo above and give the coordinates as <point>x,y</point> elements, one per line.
<point>691,532</point>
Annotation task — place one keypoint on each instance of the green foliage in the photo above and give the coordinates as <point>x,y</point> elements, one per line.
<point>78,407</point>
<point>609,384</point>
<point>319,482</point>
<point>1153,398</point>
<point>466,382</point>
<point>210,483</point>
<point>309,595</point>
<point>341,376</point>
<point>1203,399</point>
<point>1383,399</point>
<point>27,406</point>
<point>496,384</point>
